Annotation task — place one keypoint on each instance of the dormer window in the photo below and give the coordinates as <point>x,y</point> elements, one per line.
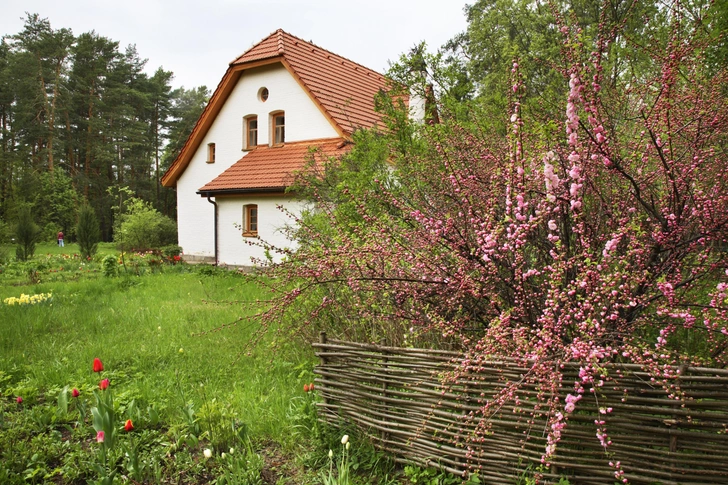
<point>250,135</point>
<point>278,127</point>
<point>210,153</point>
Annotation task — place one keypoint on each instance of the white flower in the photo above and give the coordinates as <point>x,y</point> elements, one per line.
<point>223,455</point>
<point>207,452</point>
<point>232,450</point>
<point>344,439</point>
<point>331,453</point>
<point>348,445</point>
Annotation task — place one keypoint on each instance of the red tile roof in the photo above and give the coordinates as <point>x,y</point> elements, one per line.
<point>344,89</point>
<point>270,168</point>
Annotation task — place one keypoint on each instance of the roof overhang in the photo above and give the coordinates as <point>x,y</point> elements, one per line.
<point>250,191</point>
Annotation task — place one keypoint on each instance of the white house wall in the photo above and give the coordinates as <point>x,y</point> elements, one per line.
<point>304,121</point>
<point>233,249</point>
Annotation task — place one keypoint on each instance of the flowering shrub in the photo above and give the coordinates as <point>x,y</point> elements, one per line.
<point>592,237</point>
<point>28,299</point>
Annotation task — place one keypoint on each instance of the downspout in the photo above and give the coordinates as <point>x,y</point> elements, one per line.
<point>215,231</point>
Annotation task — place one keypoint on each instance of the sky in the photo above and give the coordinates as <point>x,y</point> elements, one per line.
<point>196,39</point>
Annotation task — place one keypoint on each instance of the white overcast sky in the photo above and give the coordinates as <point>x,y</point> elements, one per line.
<point>197,39</point>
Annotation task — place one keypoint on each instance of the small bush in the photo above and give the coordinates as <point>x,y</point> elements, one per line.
<point>171,251</point>
<point>143,228</point>
<point>109,265</point>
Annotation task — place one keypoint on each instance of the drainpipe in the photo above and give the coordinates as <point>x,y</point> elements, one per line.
<point>215,231</point>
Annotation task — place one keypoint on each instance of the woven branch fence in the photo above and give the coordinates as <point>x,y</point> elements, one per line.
<point>400,399</point>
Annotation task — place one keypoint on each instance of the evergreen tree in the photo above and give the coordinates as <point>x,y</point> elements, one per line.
<point>88,232</point>
<point>26,234</point>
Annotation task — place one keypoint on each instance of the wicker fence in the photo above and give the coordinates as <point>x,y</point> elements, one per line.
<point>397,396</point>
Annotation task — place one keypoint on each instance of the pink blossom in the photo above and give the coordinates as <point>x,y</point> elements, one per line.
<point>611,244</point>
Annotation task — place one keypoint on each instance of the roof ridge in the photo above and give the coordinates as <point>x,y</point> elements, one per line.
<point>281,44</point>
<point>328,52</point>
<point>277,31</point>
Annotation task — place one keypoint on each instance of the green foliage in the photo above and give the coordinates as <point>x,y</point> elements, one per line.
<point>109,266</point>
<point>49,233</point>
<point>57,201</point>
<point>82,113</point>
<point>27,234</point>
<point>171,251</point>
<point>143,227</point>
<point>88,232</point>
<point>6,232</point>
<point>241,467</point>
<point>187,106</point>
<point>434,476</point>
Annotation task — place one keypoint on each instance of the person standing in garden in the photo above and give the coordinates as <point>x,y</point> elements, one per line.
<point>60,238</point>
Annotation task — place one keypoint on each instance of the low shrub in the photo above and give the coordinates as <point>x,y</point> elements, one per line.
<point>143,228</point>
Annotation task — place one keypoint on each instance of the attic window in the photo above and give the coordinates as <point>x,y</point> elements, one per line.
<point>210,153</point>
<point>278,127</point>
<point>263,94</point>
<point>250,135</point>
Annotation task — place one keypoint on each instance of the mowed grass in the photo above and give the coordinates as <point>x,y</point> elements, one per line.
<point>175,341</point>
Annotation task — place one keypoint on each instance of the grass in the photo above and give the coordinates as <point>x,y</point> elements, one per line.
<point>209,402</point>
<point>187,385</point>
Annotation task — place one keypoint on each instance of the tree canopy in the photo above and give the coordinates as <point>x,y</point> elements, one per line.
<point>81,111</point>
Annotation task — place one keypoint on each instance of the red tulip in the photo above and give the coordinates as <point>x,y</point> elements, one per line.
<point>100,437</point>
<point>305,388</point>
<point>20,400</point>
<point>104,384</point>
<point>75,392</point>
<point>98,366</point>
<point>128,426</point>
<point>310,387</point>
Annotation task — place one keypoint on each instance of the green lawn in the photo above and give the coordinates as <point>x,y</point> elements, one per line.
<point>179,360</point>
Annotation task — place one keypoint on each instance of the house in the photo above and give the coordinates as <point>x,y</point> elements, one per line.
<point>276,101</point>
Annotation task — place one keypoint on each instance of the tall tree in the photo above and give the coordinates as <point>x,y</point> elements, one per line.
<point>48,50</point>
<point>161,100</point>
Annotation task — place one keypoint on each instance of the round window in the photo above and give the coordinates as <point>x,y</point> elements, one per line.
<point>263,94</point>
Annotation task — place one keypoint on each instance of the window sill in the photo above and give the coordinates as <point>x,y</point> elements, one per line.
<point>249,149</point>
<point>210,161</point>
<point>250,234</point>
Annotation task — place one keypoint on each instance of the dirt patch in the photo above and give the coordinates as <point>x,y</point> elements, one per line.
<point>279,467</point>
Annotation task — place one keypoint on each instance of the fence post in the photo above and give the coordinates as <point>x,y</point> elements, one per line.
<point>322,341</point>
